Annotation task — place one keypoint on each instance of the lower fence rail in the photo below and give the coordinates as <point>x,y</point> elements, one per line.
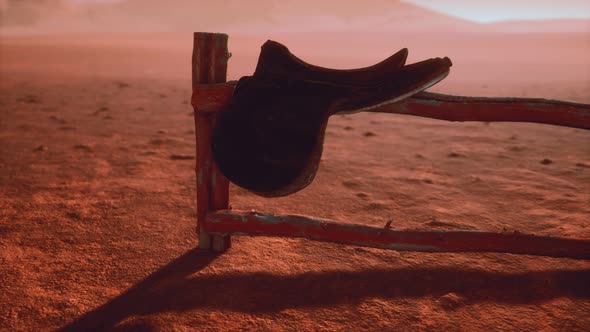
<point>229,222</point>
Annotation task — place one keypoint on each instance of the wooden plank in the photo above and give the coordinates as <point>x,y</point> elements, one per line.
<point>209,65</point>
<point>252,223</point>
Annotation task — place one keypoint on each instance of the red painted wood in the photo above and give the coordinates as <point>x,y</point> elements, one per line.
<point>251,223</point>
<point>210,56</point>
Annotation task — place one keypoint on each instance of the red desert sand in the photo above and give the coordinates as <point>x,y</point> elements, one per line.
<point>97,193</point>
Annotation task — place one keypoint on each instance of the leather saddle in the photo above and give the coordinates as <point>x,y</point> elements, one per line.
<point>269,139</point>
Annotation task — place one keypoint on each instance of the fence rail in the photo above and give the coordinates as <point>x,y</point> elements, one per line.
<point>216,224</point>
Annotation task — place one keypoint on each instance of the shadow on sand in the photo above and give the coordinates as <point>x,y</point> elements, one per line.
<point>176,288</point>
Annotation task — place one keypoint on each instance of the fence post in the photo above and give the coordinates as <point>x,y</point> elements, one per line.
<point>209,66</point>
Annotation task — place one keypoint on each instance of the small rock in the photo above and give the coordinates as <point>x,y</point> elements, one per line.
<point>348,128</point>
<point>156,141</point>
<point>40,148</point>
<point>455,155</point>
<point>83,147</point>
<point>121,84</point>
<point>56,119</point>
<point>74,215</point>
<point>376,206</point>
<point>30,99</point>
<point>451,301</point>
<point>369,134</point>
<point>474,178</point>
<point>100,110</point>
<point>162,131</point>
<point>516,148</point>
<point>351,184</point>
<point>546,161</point>
<point>181,157</point>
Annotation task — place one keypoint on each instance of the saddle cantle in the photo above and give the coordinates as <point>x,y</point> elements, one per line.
<point>269,139</point>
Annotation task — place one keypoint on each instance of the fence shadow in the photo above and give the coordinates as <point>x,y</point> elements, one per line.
<point>172,290</point>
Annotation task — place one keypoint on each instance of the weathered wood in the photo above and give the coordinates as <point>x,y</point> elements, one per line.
<point>497,109</point>
<point>447,107</point>
<point>212,97</point>
<point>215,224</point>
<point>209,66</point>
<point>252,223</point>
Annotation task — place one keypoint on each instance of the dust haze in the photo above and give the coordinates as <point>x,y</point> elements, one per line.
<point>44,16</point>
<point>341,35</point>
<point>97,174</point>
<point>226,15</point>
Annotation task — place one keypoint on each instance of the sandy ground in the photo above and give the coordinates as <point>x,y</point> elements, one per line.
<point>97,196</point>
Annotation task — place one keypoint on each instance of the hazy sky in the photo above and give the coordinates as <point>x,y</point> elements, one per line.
<point>494,10</point>
<point>491,10</point>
